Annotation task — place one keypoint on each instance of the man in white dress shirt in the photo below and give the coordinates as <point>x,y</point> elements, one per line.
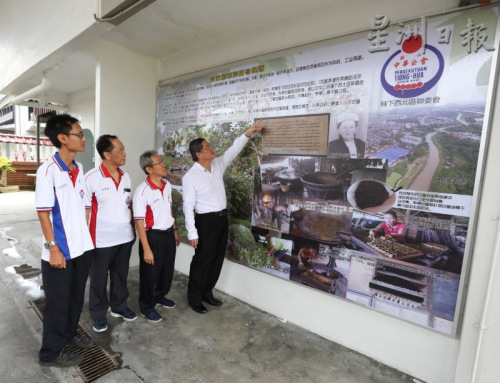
<point>203,193</point>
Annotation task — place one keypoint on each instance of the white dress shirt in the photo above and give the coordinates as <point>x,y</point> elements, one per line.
<point>203,191</point>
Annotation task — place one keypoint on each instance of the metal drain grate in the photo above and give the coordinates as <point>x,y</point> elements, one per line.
<point>96,362</point>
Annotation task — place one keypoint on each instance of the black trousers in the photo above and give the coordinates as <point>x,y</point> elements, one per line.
<point>155,280</point>
<point>64,292</point>
<point>208,258</point>
<point>115,261</point>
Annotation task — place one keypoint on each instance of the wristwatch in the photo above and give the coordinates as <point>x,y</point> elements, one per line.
<point>49,244</point>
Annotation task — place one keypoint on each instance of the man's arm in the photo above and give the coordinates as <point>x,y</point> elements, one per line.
<point>239,144</point>
<point>299,256</point>
<point>44,200</point>
<point>255,128</point>
<point>57,259</point>
<point>188,203</point>
<point>176,232</point>
<point>139,217</point>
<point>132,222</point>
<point>374,231</point>
<point>141,232</point>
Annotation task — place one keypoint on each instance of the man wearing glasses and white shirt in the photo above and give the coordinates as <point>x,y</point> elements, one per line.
<point>203,193</point>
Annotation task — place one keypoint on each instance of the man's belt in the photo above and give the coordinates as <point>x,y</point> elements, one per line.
<point>161,231</point>
<point>216,213</point>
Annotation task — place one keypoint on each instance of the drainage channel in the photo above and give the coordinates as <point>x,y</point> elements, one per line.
<point>96,362</point>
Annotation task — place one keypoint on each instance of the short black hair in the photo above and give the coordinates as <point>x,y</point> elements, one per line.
<point>391,212</point>
<point>104,144</point>
<point>196,146</point>
<point>59,124</point>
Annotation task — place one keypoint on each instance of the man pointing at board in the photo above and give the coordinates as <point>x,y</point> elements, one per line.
<point>203,193</point>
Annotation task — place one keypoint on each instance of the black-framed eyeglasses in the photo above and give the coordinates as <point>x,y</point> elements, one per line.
<point>80,135</point>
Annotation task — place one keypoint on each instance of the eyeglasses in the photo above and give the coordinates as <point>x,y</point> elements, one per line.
<point>81,135</point>
<point>208,146</point>
<point>158,163</point>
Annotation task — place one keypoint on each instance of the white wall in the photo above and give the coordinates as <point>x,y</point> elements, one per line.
<point>27,31</point>
<point>82,106</point>
<point>318,24</point>
<point>126,85</point>
<point>485,258</point>
<point>125,104</point>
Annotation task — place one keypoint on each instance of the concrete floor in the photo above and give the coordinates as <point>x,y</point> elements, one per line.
<point>232,343</point>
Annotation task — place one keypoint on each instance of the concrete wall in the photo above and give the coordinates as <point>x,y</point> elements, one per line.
<point>31,30</point>
<point>122,102</point>
<point>125,104</point>
<point>82,106</point>
<point>481,324</point>
<point>316,25</point>
<point>126,85</point>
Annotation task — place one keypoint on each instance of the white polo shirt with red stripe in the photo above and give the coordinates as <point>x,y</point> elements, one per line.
<point>154,205</point>
<point>110,219</point>
<point>64,197</point>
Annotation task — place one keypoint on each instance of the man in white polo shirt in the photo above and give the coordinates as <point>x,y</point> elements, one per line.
<point>66,255</point>
<point>158,236</point>
<point>110,195</point>
<point>203,192</point>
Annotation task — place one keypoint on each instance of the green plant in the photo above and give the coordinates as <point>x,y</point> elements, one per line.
<point>257,257</point>
<point>6,164</point>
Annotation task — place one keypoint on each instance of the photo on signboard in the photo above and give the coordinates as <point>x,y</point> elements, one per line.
<point>435,241</point>
<point>371,196</point>
<point>278,256</point>
<point>179,213</point>
<point>303,135</point>
<point>319,266</point>
<point>319,221</point>
<point>347,136</point>
<point>408,291</point>
<point>243,248</point>
<point>334,176</point>
<point>429,148</point>
<point>280,182</point>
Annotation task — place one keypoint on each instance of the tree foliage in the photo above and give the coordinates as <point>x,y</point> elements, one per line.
<point>238,178</point>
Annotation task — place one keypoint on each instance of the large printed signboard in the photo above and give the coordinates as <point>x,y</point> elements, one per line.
<point>361,183</point>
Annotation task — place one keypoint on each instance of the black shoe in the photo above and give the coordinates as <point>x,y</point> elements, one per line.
<point>212,301</point>
<point>64,360</point>
<point>81,342</point>
<point>199,308</point>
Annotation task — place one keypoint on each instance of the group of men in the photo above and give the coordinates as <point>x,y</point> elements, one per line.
<point>91,221</point>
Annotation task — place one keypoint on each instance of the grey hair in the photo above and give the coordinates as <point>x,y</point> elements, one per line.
<point>145,159</point>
